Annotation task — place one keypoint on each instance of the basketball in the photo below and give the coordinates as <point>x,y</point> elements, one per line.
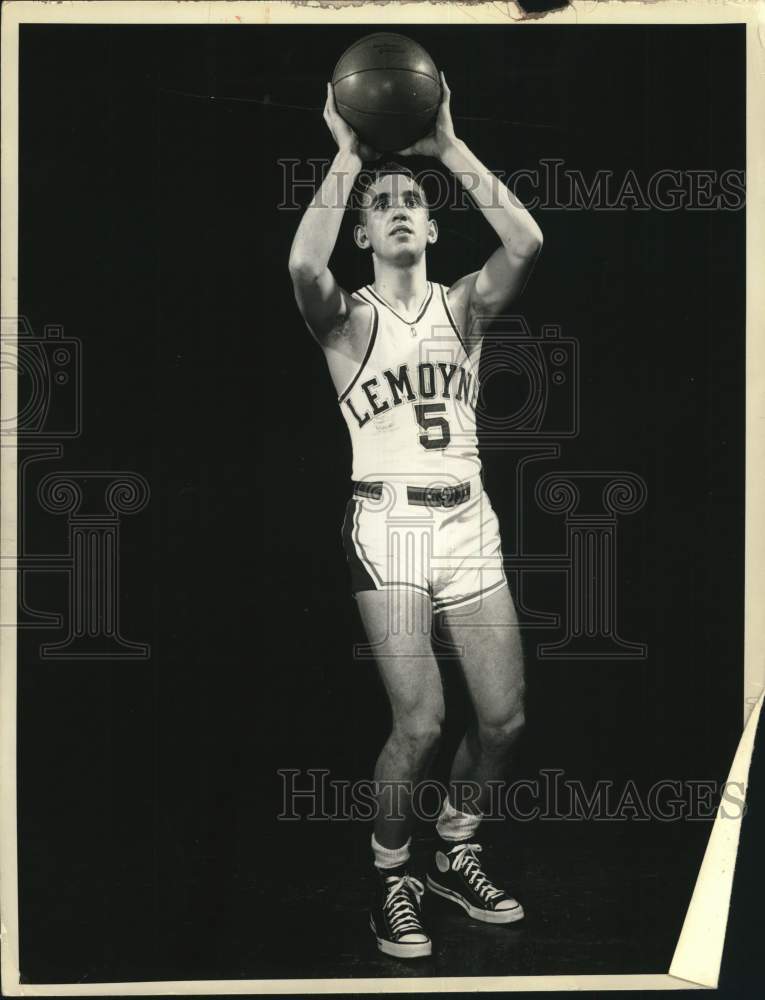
<point>388,90</point>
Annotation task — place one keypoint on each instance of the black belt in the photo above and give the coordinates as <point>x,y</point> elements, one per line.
<point>425,496</point>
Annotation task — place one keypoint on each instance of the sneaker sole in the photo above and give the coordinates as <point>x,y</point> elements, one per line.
<point>419,949</point>
<point>487,916</point>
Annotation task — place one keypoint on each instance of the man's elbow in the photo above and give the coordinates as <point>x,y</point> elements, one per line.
<point>302,268</point>
<point>530,245</point>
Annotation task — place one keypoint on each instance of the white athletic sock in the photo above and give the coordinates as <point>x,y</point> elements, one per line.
<point>390,857</point>
<point>455,825</point>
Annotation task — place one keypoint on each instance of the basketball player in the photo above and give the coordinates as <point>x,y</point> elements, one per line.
<point>420,534</point>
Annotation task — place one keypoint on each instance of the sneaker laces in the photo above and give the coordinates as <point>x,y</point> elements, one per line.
<point>399,907</point>
<point>464,858</point>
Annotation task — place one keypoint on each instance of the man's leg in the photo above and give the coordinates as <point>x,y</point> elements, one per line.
<point>492,664</point>
<point>401,641</point>
<point>398,624</point>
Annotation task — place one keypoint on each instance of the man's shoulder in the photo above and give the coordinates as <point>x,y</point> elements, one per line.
<point>361,299</point>
<point>457,288</point>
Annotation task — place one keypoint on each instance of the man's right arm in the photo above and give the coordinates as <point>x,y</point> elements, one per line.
<point>322,302</point>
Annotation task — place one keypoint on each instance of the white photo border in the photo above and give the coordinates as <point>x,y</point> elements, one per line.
<point>697,957</point>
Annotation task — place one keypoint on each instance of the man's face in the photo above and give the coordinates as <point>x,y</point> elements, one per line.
<point>395,220</point>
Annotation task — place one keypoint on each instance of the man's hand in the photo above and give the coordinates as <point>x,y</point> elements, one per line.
<point>342,133</point>
<point>441,138</point>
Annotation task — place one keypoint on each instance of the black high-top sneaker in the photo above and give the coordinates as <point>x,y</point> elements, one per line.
<point>457,875</point>
<point>395,920</point>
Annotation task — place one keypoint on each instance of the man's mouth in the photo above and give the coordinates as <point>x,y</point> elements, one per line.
<point>402,228</point>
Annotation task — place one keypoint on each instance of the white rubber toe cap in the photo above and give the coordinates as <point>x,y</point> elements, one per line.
<point>507,904</point>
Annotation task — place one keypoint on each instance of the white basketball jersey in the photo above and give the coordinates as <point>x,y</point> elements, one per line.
<point>410,408</point>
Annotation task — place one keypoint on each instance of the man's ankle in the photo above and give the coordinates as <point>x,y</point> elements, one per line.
<point>387,858</point>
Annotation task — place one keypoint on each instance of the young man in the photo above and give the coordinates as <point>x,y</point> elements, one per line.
<point>420,535</point>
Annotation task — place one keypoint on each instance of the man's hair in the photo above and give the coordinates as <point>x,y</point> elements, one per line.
<point>369,177</point>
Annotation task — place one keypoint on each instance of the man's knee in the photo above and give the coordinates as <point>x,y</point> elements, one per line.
<point>500,731</point>
<point>420,731</point>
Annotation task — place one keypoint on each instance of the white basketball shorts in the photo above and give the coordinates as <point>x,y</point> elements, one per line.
<point>442,540</point>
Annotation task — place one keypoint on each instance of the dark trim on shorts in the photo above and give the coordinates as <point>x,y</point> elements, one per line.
<point>454,603</point>
<point>361,579</point>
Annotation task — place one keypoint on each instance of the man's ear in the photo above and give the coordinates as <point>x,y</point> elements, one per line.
<point>360,237</point>
<point>432,230</point>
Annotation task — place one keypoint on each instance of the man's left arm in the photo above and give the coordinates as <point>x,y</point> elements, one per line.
<point>502,278</point>
<point>487,292</point>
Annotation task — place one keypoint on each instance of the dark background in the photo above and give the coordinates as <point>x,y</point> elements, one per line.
<point>148,790</point>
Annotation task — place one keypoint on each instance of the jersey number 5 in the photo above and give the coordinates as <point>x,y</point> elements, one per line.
<point>437,434</point>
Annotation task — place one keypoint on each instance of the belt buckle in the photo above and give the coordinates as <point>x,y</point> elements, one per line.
<point>448,496</point>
